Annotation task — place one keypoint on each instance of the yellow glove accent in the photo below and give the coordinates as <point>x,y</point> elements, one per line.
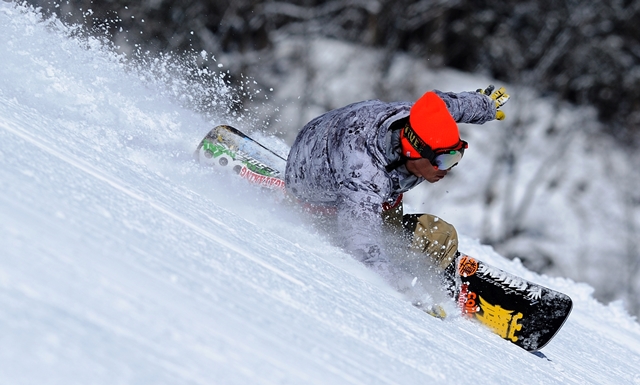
<point>500,97</point>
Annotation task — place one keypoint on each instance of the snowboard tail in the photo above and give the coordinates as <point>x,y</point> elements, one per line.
<point>227,148</point>
<point>522,312</point>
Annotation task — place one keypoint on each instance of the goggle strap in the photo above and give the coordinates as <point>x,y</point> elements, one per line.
<point>423,148</point>
<point>393,165</point>
<point>416,142</point>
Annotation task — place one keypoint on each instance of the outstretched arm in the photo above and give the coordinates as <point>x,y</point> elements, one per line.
<point>471,107</point>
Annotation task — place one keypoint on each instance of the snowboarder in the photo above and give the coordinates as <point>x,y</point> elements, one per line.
<point>353,164</point>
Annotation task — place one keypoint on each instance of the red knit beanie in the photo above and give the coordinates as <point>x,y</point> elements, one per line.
<point>431,121</point>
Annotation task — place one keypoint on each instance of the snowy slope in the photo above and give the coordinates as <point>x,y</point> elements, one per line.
<point>123,262</point>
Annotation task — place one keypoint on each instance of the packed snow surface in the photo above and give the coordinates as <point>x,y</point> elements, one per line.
<point>124,262</point>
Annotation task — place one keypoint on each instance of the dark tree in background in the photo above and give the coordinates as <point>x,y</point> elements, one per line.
<point>585,51</point>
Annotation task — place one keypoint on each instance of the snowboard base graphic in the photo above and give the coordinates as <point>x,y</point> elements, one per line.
<point>520,311</point>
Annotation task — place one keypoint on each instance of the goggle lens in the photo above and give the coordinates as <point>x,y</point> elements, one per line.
<point>449,159</point>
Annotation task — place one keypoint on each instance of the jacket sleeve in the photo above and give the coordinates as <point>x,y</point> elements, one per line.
<point>469,107</point>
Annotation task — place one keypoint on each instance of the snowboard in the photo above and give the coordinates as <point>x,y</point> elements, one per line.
<point>522,312</point>
<point>227,148</point>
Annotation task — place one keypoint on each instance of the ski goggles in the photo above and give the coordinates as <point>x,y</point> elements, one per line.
<point>449,158</point>
<point>446,158</point>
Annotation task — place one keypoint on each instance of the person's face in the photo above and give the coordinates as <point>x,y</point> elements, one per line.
<point>422,167</point>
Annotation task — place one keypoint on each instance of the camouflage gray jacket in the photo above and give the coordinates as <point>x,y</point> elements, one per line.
<point>339,160</point>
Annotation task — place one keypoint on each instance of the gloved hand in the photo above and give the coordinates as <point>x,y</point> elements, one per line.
<point>500,97</point>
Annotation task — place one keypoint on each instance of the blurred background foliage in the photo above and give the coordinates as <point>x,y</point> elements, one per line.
<point>584,51</point>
